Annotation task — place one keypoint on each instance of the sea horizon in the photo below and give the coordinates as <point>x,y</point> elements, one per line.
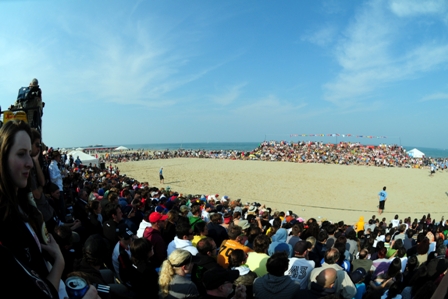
<point>247,146</point>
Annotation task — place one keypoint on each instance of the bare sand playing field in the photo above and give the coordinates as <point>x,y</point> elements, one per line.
<point>332,192</point>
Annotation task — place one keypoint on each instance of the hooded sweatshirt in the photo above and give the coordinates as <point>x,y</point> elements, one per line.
<point>279,243</point>
<point>278,287</point>
<point>181,244</point>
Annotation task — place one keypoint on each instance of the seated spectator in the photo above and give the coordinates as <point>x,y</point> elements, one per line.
<point>174,278</point>
<point>196,215</point>
<point>363,261</point>
<point>200,232</point>
<point>215,229</point>
<point>299,267</point>
<point>275,284</point>
<point>218,284</point>
<point>206,260</point>
<point>154,235</point>
<point>279,243</point>
<point>121,256</point>
<point>296,230</point>
<point>169,232</point>
<point>142,275</point>
<point>182,240</point>
<point>237,261</point>
<point>322,287</point>
<point>227,246</point>
<point>257,259</point>
<point>358,276</point>
<point>344,285</point>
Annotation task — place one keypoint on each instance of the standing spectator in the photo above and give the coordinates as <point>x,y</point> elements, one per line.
<point>162,179</point>
<point>121,256</point>
<point>56,176</point>
<point>382,197</point>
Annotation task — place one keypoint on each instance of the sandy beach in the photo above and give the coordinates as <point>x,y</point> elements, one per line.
<point>332,192</point>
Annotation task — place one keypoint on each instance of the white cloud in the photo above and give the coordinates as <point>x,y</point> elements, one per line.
<point>409,8</point>
<point>229,96</point>
<point>435,96</point>
<point>322,36</point>
<point>371,57</point>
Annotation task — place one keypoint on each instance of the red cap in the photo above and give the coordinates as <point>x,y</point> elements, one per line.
<point>156,217</point>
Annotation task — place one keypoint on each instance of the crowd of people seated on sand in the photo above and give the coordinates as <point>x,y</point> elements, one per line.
<point>133,240</point>
<point>344,153</point>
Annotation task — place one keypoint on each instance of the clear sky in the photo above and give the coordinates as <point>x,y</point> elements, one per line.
<point>128,72</point>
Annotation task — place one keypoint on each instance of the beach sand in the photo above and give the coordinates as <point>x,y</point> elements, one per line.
<point>332,192</point>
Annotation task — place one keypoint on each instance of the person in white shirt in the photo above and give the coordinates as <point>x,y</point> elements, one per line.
<point>299,267</point>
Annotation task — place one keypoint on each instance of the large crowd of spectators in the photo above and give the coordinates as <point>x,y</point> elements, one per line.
<point>343,153</point>
<point>139,241</point>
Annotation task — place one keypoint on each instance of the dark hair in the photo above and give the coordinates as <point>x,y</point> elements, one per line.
<point>394,267</point>
<point>423,246</point>
<point>205,245</point>
<point>199,227</point>
<point>331,229</point>
<point>140,249</point>
<point>182,229</point>
<point>111,209</point>
<point>237,257</point>
<point>35,135</point>
<point>277,264</point>
<point>10,197</point>
<point>234,232</point>
<point>261,243</point>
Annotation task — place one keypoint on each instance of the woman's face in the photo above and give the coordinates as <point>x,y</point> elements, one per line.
<point>19,159</point>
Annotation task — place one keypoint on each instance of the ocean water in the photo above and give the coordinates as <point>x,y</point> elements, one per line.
<point>249,146</point>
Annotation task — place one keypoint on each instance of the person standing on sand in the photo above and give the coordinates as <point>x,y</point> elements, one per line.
<point>162,179</point>
<point>382,196</point>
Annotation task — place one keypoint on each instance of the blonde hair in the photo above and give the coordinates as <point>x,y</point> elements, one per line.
<point>167,271</point>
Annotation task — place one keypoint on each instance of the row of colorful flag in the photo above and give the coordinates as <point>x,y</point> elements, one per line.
<point>337,135</point>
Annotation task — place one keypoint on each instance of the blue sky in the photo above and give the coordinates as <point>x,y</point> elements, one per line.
<point>128,72</point>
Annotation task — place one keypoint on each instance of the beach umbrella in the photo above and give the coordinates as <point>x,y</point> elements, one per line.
<point>121,148</point>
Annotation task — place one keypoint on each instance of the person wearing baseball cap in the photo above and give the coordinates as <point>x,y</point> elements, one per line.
<point>154,235</point>
<point>218,283</point>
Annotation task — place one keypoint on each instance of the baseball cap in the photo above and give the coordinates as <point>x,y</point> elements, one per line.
<point>157,217</point>
<point>216,277</point>
<point>124,231</point>
<point>358,275</point>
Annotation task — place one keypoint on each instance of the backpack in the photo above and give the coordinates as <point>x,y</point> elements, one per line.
<point>24,93</point>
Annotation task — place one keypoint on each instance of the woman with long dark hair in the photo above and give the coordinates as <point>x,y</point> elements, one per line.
<point>22,236</point>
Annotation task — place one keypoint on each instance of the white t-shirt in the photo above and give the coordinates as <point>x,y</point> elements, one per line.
<point>300,269</point>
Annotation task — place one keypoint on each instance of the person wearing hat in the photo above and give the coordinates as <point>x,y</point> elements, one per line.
<point>121,256</point>
<point>174,275</point>
<point>299,267</point>
<point>154,235</point>
<point>218,283</point>
<point>358,277</point>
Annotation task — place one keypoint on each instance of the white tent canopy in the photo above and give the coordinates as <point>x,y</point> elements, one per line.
<point>415,153</point>
<point>79,149</point>
<point>121,148</point>
<point>85,158</point>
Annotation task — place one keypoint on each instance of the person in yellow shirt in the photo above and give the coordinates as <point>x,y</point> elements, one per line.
<point>230,245</point>
<point>200,232</point>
